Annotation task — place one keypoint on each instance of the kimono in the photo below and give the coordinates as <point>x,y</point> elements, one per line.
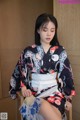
<point>33,60</point>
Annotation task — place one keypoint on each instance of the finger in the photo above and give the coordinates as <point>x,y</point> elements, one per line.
<point>24,94</point>
<point>29,93</point>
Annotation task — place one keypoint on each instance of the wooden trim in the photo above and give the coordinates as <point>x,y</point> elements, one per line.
<point>0,85</point>
<point>70,114</point>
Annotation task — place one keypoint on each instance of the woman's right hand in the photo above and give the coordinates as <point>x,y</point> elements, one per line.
<point>68,105</point>
<point>26,92</point>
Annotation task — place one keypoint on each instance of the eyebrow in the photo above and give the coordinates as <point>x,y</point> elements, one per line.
<point>46,27</point>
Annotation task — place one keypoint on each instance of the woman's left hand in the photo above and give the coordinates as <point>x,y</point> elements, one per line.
<point>68,105</point>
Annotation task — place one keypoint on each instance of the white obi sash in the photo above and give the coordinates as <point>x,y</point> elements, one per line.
<point>43,82</point>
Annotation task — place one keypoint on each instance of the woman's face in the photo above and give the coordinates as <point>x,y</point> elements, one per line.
<point>47,32</point>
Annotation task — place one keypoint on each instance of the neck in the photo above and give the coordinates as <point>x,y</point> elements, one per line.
<point>45,47</point>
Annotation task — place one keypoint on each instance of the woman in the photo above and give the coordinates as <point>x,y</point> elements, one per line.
<point>44,71</point>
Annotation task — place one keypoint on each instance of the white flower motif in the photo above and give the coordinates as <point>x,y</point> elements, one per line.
<point>38,56</point>
<point>55,57</point>
<point>13,82</point>
<point>33,46</point>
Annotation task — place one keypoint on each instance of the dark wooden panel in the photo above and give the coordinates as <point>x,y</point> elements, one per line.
<point>9,106</point>
<point>17,19</point>
<point>0,86</point>
<point>68,16</point>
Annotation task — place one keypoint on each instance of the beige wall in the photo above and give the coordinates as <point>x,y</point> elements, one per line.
<point>0,86</point>
<point>68,16</point>
<point>9,106</point>
<point>17,19</point>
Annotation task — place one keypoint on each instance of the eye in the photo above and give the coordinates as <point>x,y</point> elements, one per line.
<point>52,30</point>
<point>44,29</point>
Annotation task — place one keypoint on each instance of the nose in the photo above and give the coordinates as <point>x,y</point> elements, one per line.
<point>48,33</point>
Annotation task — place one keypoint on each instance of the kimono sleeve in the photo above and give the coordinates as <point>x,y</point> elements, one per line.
<point>65,75</point>
<point>19,74</point>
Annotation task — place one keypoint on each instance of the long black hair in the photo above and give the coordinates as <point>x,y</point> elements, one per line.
<point>41,20</point>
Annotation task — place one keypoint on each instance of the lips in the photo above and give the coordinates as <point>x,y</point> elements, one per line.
<point>48,39</point>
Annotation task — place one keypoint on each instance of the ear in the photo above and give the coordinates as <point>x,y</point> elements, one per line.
<point>38,31</point>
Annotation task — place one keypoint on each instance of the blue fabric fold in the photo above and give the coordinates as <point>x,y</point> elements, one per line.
<point>29,112</point>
